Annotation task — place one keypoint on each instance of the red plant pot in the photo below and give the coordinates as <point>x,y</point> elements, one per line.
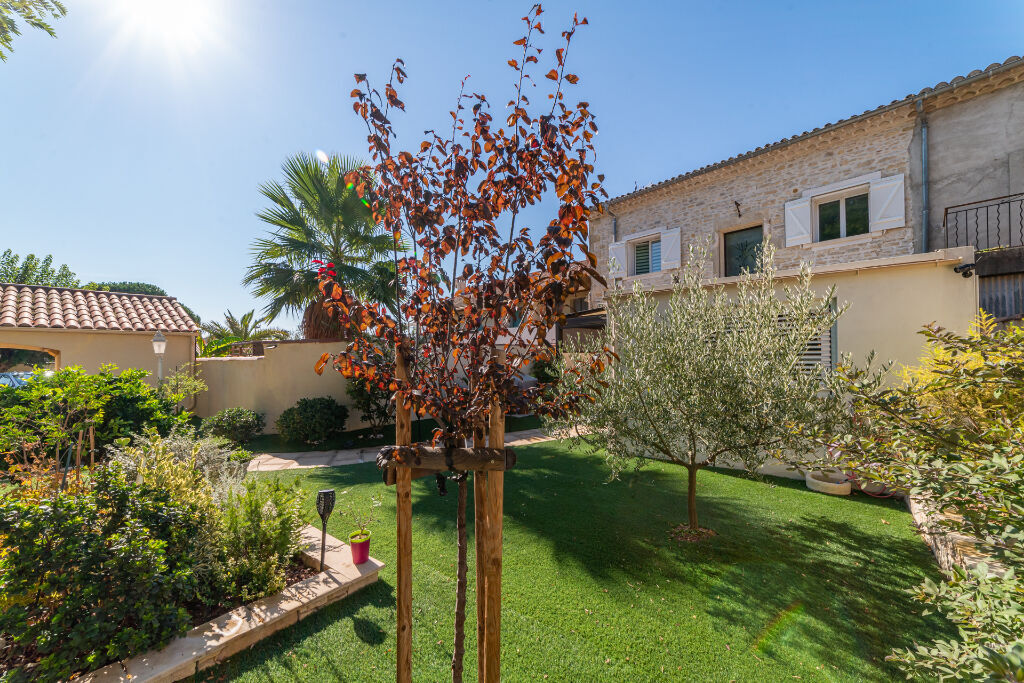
<point>359,542</point>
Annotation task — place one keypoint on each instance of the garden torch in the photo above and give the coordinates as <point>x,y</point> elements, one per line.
<point>324,506</point>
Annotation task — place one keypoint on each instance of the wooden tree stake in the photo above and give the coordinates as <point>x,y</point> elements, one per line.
<point>403,437</point>
<point>92,446</point>
<point>480,527</point>
<point>494,509</point>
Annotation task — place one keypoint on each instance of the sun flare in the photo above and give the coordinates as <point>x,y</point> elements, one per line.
<point>181,28</point>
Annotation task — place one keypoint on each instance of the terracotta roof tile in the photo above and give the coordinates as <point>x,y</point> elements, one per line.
<point>60,308</point>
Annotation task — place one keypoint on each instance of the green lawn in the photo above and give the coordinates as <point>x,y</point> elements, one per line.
<point>795,585</point>
<point>358,438</point>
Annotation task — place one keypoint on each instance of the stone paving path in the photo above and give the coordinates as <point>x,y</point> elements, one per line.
<point>273,462</point>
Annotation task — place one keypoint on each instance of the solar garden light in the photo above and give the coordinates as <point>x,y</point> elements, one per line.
<point>324,506</point>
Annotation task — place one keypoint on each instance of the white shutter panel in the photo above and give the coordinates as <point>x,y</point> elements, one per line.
<point>617,259</point>
<point>798,222</point>
<point>818,352</point>
<point>886,203</point>
<point>670,249</point>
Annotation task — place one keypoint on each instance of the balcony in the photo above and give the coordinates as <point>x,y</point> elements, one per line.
<point>987,224</point>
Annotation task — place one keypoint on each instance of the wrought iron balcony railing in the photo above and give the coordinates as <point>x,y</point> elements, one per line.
<point>986,224</point>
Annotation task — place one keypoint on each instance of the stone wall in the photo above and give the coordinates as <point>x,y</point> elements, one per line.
<point>704,206</point>
<point>976,152</point>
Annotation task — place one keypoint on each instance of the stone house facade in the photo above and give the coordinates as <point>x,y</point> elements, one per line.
<point>854,191</point>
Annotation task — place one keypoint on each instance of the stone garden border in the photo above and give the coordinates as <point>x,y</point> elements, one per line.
<point>216,640</point>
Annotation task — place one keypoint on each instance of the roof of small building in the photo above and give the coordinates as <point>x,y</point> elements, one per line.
<point>38,307</point>
<point>957,82</point>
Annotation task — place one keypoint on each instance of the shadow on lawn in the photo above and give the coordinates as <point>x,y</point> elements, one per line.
<point>376,595</point>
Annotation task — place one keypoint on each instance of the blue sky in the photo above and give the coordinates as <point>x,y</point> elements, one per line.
<point>133,145</point>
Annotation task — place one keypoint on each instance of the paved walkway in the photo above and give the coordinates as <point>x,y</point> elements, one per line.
<point>273,462</point>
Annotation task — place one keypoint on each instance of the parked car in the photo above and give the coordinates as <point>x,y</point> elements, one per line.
<point>14,379</point>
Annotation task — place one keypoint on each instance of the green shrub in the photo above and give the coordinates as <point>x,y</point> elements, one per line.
<point>312,420</point>
<point>54,408</point>
<point>237,424</point>
<point>220,463</point>
<point>91,578</point>
<point>372,401</point>
<point>262,525</point>
<point>953,437</point>
<point>546,371</point>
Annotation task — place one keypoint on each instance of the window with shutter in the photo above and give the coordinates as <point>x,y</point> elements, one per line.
<point>646,257</point>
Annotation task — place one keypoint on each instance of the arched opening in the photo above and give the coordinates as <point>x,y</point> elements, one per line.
<point>21,358</point>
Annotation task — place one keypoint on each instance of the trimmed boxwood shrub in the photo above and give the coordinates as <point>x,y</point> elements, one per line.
<point>312,420</point>
<point>237,424</point>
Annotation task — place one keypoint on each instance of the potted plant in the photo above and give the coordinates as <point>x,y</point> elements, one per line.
<point>359,540</point>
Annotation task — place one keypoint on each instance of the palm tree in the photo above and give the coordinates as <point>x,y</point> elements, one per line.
<point>244,329</point>
<point>316,216</point>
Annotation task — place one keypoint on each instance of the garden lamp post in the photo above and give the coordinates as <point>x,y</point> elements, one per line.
<point>324,506</point>
<point>159,346</point>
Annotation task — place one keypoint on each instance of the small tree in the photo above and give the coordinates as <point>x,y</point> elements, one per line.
<point>953,437</point>
<point>712,376</point>
<point>459,200</point>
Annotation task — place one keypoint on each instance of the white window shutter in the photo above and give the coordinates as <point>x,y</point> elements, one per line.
<point>886,203</point>
<point>670,249</point>
<point>798,222</point>
<point>617,259</point>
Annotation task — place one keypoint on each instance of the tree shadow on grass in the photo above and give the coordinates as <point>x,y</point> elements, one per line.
<point>370,631</point>
<point>832,586</point>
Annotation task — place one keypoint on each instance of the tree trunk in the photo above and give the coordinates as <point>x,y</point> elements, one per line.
<point>691,496</point>
<point>460,590</point>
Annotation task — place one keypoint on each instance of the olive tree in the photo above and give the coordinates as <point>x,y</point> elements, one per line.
<point>709,375</point>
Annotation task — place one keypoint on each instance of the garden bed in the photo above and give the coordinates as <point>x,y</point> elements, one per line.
<point>217,639</point>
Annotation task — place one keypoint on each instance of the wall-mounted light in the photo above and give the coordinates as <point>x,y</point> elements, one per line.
<point>159,347</point>
<point>965,269</point>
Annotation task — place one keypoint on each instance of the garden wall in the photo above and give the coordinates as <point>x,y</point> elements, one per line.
<point>92,348</point>
<point>273,382</point>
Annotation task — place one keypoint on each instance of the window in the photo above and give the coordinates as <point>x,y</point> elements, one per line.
<point>843,216</point>
<point>741,249</point>
<point>646,257</point>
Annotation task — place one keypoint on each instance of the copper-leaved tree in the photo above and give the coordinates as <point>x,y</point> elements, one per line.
<point>479,289</point>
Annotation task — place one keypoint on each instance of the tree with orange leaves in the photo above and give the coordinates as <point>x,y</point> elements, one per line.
<point>477,280</point>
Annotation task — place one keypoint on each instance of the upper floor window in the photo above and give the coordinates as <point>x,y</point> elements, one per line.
<point>741,249</point>
<point>864,205</point>
<point>842,215</point>
<point>646,257</point>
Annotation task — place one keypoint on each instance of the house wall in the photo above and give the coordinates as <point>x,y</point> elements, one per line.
<point>93,348</point>
<point>975,151</point>
<point>889,301</point>
<point>703,207</point>
<point>271,383</point>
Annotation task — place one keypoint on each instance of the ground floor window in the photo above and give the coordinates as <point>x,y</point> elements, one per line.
<point>741,249</point>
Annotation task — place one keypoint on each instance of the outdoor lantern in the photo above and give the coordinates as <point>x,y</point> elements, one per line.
<point>324,506</point>
<point>159,346</point>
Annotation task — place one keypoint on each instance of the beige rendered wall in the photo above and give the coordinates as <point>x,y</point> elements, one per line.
<point>91,349</point>
<point>891,299</point>
<point>271,383</point>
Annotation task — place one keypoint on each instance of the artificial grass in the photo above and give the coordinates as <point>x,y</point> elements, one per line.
<point>358,438</point>
<point>795,584</point>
